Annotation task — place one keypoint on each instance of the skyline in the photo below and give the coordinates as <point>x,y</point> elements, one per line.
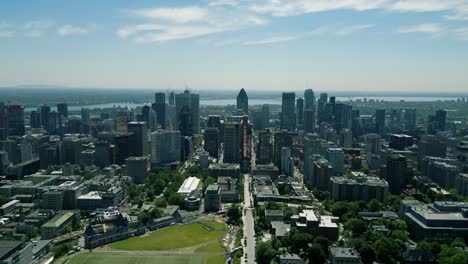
<point>389,46</point>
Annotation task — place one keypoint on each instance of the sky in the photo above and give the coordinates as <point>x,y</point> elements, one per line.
<point>336,45</point>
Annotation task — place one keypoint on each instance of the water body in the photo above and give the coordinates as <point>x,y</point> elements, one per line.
<point>253,101</point>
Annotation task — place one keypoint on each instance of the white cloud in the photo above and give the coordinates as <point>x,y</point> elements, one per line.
<point>177,15</point>
<point>422,28</point>
<point>167,24</point>
<point>68,29</point>
<point>270,40</point>
<point>224,3</point>
<point>298,7</point>
<point>351,29</point>
<point>462,32</point>
<point>36,28</point>
<point>452,9</point>
<point>7,34</point>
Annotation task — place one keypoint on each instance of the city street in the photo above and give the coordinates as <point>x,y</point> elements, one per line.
<point>249,232</point>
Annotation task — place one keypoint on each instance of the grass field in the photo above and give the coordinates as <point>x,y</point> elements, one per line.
<point>138,258</point>
<point>214,253</point>
<point>178,236</point>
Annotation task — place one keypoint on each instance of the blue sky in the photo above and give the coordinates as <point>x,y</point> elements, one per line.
<point>382,45</point>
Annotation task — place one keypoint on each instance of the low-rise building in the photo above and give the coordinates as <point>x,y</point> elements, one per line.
<point>229,190</point>
<point>359,189</point>
<point>442,221</point>
<point>193,200</point>
<point>316,225</point>
<point>290,259</point>
<point>15,252</point>
<point>190,184</point>
<point>344,255</point>
<point>273,215</point>
<point>224,169</point>
<point>268,169</point>
<point>55,226</point>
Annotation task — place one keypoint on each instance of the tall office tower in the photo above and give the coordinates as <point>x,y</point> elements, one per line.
<point>172,99</point>
<point>62,109</point>
<point>288,115</point>
<point>431,146</point>
<point>343,117</point>
<point>287,162</point>
<point>145,114</point>
<point>265,116</point>
<point>300,111</point>
<point>373,144</point>
<point>283,139</point>
<point>321,112</point>
<point>35,119</point>
<point>71,150</point>
<point>140,130</point>
<point>380,121</point>
<point>123,146</point>
<point>309,99</point>
<point>345,139</point>
<point>165,146</point>
<point>121,121</point>
<point>215,121</point>
<point>103,155</point>
<point>11,148</point>
<point>4,121</point>
<point>246,136</point>
<point>441,119</point>
<point>232,144</point>
<point>395,122</point>
<point>309,120</point>
<point>15,117</point>
<point>188,113</point>
<point>243,101</point>
<point>397,173</point>
<point>137,168</point>
<point>409,119</point>
<point>336,158</point>
<point>54,123</point>
<point>152,120</point>
<point>323,171</point>
<point>264,147</point>
<point>212,143</point>
<point>85,115</point>
<point>161,109</point>
<point>45,110</point>
<point>443,174</point>
<point>312,145</point>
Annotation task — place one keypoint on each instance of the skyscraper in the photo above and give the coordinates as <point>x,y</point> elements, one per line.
<point>45,110</point>
<point>380,121</point>
<point>188,113</point>
<point>140,130</point>
<point>336,158</point>
<point>397,173</point>
<point>441,119</point>
<point>165,146</point>
<point>283,139</point>
<point>62,109</point>
<point>264,147</point>
<point>300,111</point>
<point>212,142</point>
<point>265,116</point>
<point>309,99</point>
<point>15,117</point>
<point>232,143</point>
<point>409,119</point>
<point>246,136</point>
<point>160,107</point>
<point>288,115</point>
<point>321,113</point>
<point>309,120</point>
<point>343,117</point>
<point>243,101</point>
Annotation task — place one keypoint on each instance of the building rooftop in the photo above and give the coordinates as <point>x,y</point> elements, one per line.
<point>7,247</point>
<point>91,195</point>
<point>343,252</point>
<point>59,219</point>
<point>10,203</point>
<point>190,184</point>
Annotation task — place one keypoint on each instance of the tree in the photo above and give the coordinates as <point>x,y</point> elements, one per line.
<point>451,255</point>
<point>323,242</point>
<point>357,226</point>
<point>264,252</point>
<point>388,250</point>
<point>374,205</point>
<point>161,202</point>
<point>61,250</point>
<point>315,254</point>
<point>399,225</point>
<point>367,253</point>
<point>175,199</point>
<point>234,213</point>
<point>299,241</point>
